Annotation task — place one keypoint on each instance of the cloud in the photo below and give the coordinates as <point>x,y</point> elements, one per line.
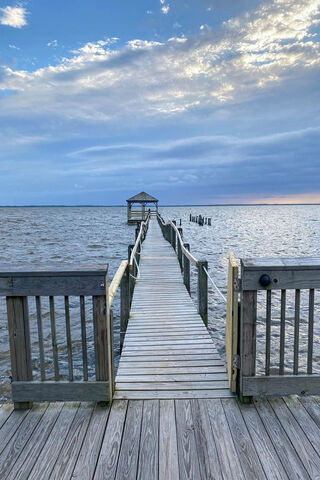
<point>54,43</point>
<point>165,7</point>
<point>14,47</point>
<point>13,16</point>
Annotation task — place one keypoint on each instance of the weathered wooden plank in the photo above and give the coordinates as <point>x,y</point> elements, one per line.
<point>171,394</point>
<point>247,454</point>
<point>196,377</point>
<point>60,391</point>
<point>184,369</point>
<point>18,441</point>
<point>310,331</point>
<point>129,453</point>
<point>108,458</point>
<point>40,339</point>
<point>287,454</point>
<point>205,385</point>
<point>89,453</point>
<point>312,405</point>
<point>248,334</point>
<point>187,450</point>
<point>5,412</point>
<point>11,425</point>
<point>148,466</point>
<point>281,385</point>
<point>268,455</point>
<point>51,282</point>
<point>206,444</point>
<point>232,321</point>
<point>284,275</point>
<point>73,441</point>
<point>68,334</point>
<point>227,454</point>
<point>46,458</point>
<point>297,437</point>
<point>309,427</point>
<point>170,358</point>
<point>19,338</point>
<point>54,339</point>
<point>84,338</point>
<point>168,447</point>
<point>24,464</point>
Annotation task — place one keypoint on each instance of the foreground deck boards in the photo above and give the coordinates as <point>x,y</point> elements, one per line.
<point>163,439</point>
<point>167,352</point>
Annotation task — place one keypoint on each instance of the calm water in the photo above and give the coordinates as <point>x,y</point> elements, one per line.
<point>36,236</point>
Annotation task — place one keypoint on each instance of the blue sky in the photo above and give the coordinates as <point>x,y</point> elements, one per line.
<point>194,101</point>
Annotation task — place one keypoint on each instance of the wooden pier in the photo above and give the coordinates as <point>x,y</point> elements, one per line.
<point>174,410</point>
<point>167,352</point>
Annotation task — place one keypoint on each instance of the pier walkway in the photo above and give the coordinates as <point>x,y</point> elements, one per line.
<point>168,352</point>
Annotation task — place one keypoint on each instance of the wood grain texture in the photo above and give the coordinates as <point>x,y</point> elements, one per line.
<point>89,453</point>
<point>148,466</point>
<point>249,459</point>
<point>168,446</point>
<point>129,453</point>
<point>69,452</point>
<point>48,455</point>
<point>187,449</point>
<point>110,449</point>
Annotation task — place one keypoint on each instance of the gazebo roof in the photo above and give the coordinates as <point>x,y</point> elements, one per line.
<point>142,197</point>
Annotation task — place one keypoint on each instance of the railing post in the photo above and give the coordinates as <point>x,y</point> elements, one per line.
<point>203,291</point>
<point>20,348</point>
<point>131,280</point>
<point>186,269</point>
<point>173,236</point>
<point>248,318</point>
<point>179,249</point>
<point>124,305</point>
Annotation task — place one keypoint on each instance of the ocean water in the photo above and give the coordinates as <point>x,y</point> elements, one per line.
<point>40,235</point>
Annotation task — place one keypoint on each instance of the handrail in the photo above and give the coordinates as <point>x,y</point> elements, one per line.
<point>183,248</point>
<point>215,286</point>
<point>117,280</point>
<point>141,231</point>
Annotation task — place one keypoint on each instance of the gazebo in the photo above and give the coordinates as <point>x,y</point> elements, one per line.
<point>139,205</point>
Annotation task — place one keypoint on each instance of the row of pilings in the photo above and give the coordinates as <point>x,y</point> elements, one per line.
<point>200,220</point>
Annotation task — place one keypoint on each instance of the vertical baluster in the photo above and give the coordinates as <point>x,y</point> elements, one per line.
<point>296,333</point>
<point>203,291</point>
<point>40,337</point>
<point>54,339</point>
<point>282,331</point>
<point>84,338</point>
<point>310,330</point>
<point>68,333</point>
<point>268,333</point>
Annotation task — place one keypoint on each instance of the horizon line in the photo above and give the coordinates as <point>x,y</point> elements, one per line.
<point>165,205</point>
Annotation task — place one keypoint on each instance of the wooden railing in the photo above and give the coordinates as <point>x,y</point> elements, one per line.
<point>265,286</point>
<point>18,286</point>
<point>174,236</point>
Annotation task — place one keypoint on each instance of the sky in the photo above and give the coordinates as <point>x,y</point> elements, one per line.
<point>193,101</point>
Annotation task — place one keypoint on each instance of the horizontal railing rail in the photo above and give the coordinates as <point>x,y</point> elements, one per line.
<point>280,295</point>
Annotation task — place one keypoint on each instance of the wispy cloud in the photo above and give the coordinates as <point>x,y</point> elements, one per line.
<point>13,16</point>
<point>165,7</point>
<point>54,43</point>
<point>14,47</point>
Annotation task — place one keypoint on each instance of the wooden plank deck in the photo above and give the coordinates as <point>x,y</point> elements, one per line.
<point>167,352</point>
<point>163,439</point>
